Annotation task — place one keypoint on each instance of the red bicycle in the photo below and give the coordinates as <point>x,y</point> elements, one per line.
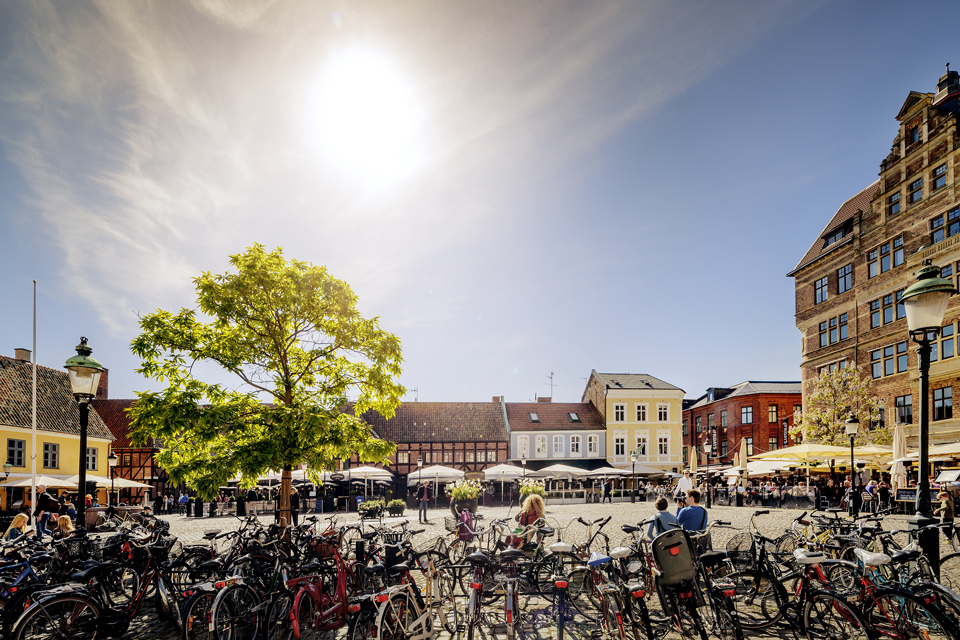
<point>321,603</point>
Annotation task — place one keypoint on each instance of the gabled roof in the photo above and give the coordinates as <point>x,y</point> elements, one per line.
<point>441,422</point>
<point>844,216</point>
<point>750,388</point>
<point>57,410</point>
<point>913,98</point>
<point>553,416</point>
<point>114,414</point>
<point>642,381</point>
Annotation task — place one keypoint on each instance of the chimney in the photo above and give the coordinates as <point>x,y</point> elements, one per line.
<point>103,387</point>
<point>544,399</point>
<point>496,399</point>
<point>22,354</point>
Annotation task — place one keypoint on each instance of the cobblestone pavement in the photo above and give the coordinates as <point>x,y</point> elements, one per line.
<point>538,615</point>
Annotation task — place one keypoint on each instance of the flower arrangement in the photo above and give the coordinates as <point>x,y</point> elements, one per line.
<point>464,489</point>
<point>397,503</point>
<point>371,505</point>
<point>532,487</point>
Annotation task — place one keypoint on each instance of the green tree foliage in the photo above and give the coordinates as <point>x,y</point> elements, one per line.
<point>831,398</point>
<point>293,341</point>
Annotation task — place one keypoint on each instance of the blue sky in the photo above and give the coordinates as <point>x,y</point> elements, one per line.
<point>518,188</point>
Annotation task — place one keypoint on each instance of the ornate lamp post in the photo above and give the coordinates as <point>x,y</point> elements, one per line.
<point>852,427</point>
<point>523,463</point>
<point>84,373</point>
<point>708,449</point>
<point>633,473</point>
<point>112,460</point>
<point>925,302</point>
<point>7,466</point>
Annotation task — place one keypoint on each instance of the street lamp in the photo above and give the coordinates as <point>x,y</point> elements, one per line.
<point>6,471</point>
<point>925,303</point>
<point>707,449</point>
<point>852,426</point>
<point>633,473</point>
<point>523,463</point>
<point>84,373</point>
<point>112,460</point>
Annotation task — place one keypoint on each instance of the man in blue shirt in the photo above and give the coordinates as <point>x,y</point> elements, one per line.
<point>692,517</point>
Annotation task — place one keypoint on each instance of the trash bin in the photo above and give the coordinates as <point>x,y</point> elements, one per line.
<point>213,509</point>
<point>241,507</point>
<point>198,508</point>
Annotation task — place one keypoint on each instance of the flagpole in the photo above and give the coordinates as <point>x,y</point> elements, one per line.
<point>33,423</point>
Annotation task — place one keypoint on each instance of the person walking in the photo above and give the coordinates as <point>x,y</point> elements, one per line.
<point>252,498</point>
<point>423,499</point>
<point>684,485</point>
<point>295,506</point>
<point>607,494</point>
<point>46,506</point>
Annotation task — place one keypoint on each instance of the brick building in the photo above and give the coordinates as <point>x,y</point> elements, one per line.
<point>848,284</point>
<point>133,462</point>
<point>760,412</point>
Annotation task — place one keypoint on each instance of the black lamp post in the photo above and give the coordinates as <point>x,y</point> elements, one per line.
<point>925,303</point>
<point>84,373</point>
<point>523,463</point>
<point>419,467</point>
<point>633,474</point>
<point>707,449</point>
<point>852,427</point>
<point>7,466</point>
<point>112,460</point>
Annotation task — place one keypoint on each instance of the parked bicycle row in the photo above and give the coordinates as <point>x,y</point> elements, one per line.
<point>826,576</point>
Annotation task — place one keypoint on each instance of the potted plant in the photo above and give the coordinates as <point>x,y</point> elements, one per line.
<point>371,508</point>
<point>463,495</point>
<point>396,507</point>
<point>530,486</point>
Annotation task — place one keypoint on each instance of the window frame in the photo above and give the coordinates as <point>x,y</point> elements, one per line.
<point>844,278</point>
<point>541,450</point>
<point>915,191</point>
<point>772,411</point>
<point>746,414</point>
<point>17,450</point>
<point>938,177</point>
<point>51,455</point>
<point>663,412</point>
<point>94,454</point>
<point>619,412</point>
<point>575,448</point>
<point>558,440</point>
<point>821,291</point>
<point>943,406</point>
<point>642,412</point>
<point>893,204</point>
<point>904,407</point>
<point>593,445</point>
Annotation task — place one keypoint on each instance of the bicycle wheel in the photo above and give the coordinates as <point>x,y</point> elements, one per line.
<point>306,617</point>
<point>363,624</point>
<point>688,621</point>
<point>724,621</point>
<point>542,573</point>
<point>394,618</point>
<point>899,614</point>
<point>446,603</point>
<point>826,616</point>
<point>612,609</point>
<point>196,616</point>
<point>235,614</point>
<point>167,601</point>
<point>57,617</point>
<point>844,577</point>
<point>277,625</point>
<point>119,584</point>
<point>945,599</point>
<point>348,539</point>
<point>580,593</point>
<point>759,599</point>
<point>950,572</point>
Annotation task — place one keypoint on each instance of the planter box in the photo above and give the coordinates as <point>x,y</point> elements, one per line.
<point>395,511</point>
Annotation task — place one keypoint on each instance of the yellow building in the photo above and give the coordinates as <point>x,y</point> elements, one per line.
<point>641,413</point>
<point>58,428</point>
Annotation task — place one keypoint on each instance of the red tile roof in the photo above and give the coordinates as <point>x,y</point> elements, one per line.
<point>844,215</point>
<point>441,422</point>
<point>553,416</point>
<point>57,410</point>
<point>114,414</point>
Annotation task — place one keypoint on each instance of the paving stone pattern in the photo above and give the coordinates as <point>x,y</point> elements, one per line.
<point>538,621</point>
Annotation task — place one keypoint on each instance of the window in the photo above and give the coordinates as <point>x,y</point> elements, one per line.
<point>541,446</point>
<point>886,256</point>
<point>946,341</point>
<point>15,452</point>
<point>51,455</point>
<point>557,446</point>
<point>458,455</point>
<point>470,456</point>
<point>723,448</point>
<point>889,360</point>
<point>620,446</point>
<point>686,430</point>
<point>893,204</point>
<point>749,446</point>
<point>663,412</point>
<point>619,412</point>
<point>534,417</point>
<point>940,177</point>
<point>772,413</point>
<point>641,445</point>
<point>403,457</point>
<point>833,366</point>
<point>91,458</point>
<point>699,425</point>
<point>746,415</point>
<point>575,445</point>
<point>685,455</point>
<point>913,135</point>
<point>593,445</point>
<point>820,290</point>
<point>797,413</point>
<point>833,330</point>
<point>723,419</point>
<point>663,445</point>
<point>943,403</point>
<point>574,417</point>
<point>916,190</point>
<point>905,409</point>
<point>845,278</point>
<point>641,413</point>
<point>773,444</point>
<point>887,309</point>
<point>945,225</point>
<point>523,446</point>
<point>447,457</point>
<point>835,237</point>
<point>880,422</point>
<point>126,460</point>
<point>710,421</point>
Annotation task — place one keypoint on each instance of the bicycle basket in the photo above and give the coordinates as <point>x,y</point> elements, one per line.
<point>450,524</point>
<point>673,554</point>
<point>740,550</point>
<point>323,548</point>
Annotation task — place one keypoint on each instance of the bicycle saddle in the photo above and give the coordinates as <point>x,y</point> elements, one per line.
<point>712,558</point>
<point>560,547</point>
<point>597,559</point>
<point>477,557</point>
<point>511,554</point>
<point>620,552</point>
<point>871,559</point>
<point>397,569</point>
<point>546,531</point>
<point>210,535</point>
<point>628,528</point>
<point>210,566</point>
<point>91,571</point>
<point>905,556</point>
<point>809,557</point>
<point>375,568</point>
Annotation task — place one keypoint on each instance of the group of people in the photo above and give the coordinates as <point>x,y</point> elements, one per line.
<point>57,513</point>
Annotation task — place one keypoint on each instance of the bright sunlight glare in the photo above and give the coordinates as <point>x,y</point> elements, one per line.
<point>367,119</point>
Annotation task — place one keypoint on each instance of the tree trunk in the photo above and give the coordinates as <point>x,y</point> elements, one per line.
<point>285,485</point>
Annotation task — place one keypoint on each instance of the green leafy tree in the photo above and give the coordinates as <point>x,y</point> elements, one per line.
<point>290,337</point>
<point>834,396</point>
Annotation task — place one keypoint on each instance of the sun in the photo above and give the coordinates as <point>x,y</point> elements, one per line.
<point>366,117</point>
